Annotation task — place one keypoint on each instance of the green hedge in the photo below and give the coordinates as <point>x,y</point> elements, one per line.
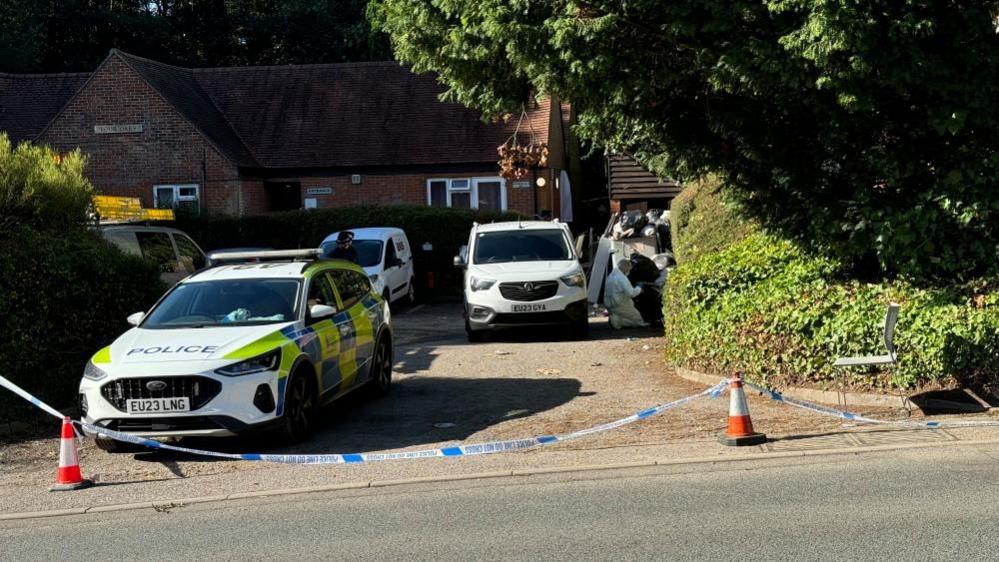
<point>764,307</point>
<point>445,229</point>
<point>701,221</point>
<point>63,296</point>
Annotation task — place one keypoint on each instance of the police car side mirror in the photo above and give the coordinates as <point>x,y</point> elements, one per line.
<point>318,311</point>
<point>136,318</point>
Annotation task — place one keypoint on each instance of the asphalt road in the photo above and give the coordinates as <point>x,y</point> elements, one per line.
<point>925,504</point>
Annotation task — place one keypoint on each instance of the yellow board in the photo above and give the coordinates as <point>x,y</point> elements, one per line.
<point>111,207</point>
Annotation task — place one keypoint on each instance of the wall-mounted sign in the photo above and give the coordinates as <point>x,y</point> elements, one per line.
<point>319,191</point>
<point>521,184</point>
<point>115,129</point>
<point>311,203</point>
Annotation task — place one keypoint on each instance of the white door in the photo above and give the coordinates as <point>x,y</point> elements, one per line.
<point>395,281</point>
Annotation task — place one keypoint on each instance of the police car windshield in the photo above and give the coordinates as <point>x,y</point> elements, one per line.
<point>222,303</point>
<point>369,252</point>
<point>521,245</point>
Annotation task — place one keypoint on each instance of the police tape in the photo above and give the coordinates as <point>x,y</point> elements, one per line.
<point>352,458</point>
<point>850,416</point>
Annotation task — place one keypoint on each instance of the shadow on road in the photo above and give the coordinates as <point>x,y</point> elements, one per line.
<point>599,331</point>
<point>406,418</point>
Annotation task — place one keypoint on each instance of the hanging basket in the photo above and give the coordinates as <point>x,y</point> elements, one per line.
<point>517,160</point>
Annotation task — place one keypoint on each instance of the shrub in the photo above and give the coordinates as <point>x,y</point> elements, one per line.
<point>63,296</point>
<point>701,221</point>
<point>763,306</point>
<point>40,188</point>
<point>445,229</point>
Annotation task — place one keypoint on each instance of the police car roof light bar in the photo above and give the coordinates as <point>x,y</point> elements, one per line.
<point>307,254</point>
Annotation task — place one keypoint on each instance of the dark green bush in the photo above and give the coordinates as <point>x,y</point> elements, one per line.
<point>445,229</point>
<point>764,307</point>
<point>63,296</point>
<point>702,222</point>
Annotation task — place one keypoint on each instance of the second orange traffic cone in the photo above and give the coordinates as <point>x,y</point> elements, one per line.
<point>740,431</point>
<point>68,477</point>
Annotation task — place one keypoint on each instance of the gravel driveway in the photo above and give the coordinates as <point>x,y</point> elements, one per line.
<point>446,390</point>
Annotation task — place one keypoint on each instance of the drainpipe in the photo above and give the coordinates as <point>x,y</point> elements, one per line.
<point>204,177</point>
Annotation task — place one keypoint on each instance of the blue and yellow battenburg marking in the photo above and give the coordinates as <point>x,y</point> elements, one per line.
<point>333,346</point>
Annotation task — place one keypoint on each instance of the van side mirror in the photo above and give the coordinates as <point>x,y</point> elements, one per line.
<point>461,260</point>
<point>135,318</point>
<point>320,311</point>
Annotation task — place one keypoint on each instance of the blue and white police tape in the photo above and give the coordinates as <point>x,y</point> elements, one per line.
<point>351,458</point>
<point>850,416</point>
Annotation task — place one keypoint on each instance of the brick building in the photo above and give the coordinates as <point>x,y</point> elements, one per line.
<point>255,139</point>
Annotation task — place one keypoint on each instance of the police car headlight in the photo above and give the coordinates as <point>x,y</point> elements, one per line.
<point>93,372</point>
<point>373,278</point>
<point>266,362</point>
<point>574,280</point>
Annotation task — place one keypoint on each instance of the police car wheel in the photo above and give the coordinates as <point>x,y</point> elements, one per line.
<point>381,370</point>
<point>111,446</point>
<point>299,410</point>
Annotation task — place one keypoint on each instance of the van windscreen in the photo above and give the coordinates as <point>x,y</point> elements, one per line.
<point>521,245</point>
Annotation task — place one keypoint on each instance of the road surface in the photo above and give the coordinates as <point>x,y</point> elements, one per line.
<point>916,504</point>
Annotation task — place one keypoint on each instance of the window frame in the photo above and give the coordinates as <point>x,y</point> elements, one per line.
<point>472,189</point>
<point>307,292</point>
<point>177,198</point>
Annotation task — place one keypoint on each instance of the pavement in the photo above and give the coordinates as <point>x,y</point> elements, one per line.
<point>926,504</point>
<point>448,391</point>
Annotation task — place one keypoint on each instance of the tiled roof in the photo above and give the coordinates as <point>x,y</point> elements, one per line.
<point>180,89</point>
<point>29,101</point>
<point>354,114</point>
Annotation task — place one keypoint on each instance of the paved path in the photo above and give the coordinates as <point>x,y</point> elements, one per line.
<point>903,505</point>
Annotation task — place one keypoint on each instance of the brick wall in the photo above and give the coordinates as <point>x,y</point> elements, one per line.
<point>169,150</point>
<point>408,189</point>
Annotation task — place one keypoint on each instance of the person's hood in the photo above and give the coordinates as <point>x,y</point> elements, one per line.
<point>139,345</point>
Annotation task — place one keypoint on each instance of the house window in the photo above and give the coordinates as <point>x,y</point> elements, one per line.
<point>467,193</point>
<point>177,197</point>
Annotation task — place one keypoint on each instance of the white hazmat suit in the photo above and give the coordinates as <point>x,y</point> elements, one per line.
<point>618,293</point>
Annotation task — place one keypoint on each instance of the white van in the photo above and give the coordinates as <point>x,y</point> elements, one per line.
<point>387,257</point>
<point>520,274</point>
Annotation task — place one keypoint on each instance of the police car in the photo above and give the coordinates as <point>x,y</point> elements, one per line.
<point>243,346</point>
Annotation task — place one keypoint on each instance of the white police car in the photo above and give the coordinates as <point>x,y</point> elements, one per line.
<point>243,346</point>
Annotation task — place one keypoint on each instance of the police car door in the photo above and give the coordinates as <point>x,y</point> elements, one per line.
<point>326,355</point>
<point>356,325</point>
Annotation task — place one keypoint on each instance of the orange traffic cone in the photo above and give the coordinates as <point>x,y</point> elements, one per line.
<point>740,427</point>
<point>69,477</point>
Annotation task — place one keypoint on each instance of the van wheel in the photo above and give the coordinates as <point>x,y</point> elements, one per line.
<point>380,383</point>
<point>473,336</point>
<point>411,292</point>
<point>300,406</point>
<point>580,329</point>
